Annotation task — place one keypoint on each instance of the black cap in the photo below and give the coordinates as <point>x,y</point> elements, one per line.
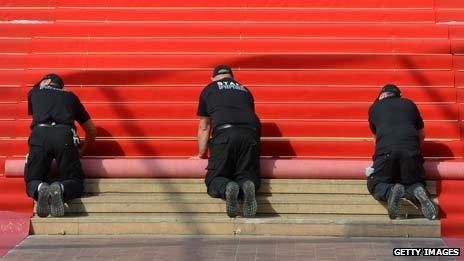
<point>55,78</point>
<point>391,88</point>
<point>222,69</point>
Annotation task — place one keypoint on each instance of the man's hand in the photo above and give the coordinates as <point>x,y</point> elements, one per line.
<point>90,134</point>
<point>198,157</point>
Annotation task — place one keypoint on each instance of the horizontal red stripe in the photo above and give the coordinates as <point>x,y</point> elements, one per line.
<point>261,94</point>
<point>265,61</point>
<point>264,110</point>
<point>185,148</point>
<point>443,4</point>
<point>459,78</point>
<point>224,15</point>
<point>279,128</point>
<point>197,30</point>
<point>457,46</point>
<point>214,45</point>
<point>458,62</point>
<point>254,3</point>
<point>456,31</point>
<point>248,78</point>
<point>450,15</point>
<point>237,15</point>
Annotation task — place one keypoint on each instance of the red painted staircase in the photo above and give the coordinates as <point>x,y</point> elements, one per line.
<point>313,66</point>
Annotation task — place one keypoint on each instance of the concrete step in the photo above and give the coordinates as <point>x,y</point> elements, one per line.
<point>202,203</point>
<point>220,224</point>
<point>294,186</point>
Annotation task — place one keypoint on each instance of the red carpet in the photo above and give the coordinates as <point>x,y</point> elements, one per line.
<point>451,193</point>
<point>14,227</point>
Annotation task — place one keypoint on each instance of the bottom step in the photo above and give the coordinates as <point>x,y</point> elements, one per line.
<point>220,224</point>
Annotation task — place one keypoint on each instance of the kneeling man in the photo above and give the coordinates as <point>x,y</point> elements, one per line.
<point>398,129</point>
<point>53,136</point>
<point>227,109</point>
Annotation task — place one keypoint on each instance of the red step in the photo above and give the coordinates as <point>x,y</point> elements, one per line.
<point>457,46</point>
<point>13,128</point>
<point>450,15</point>
<point>460,79</point>
<point>458,62</point>
<point>2,165</point>
<point>205,14</point>
<point>456,31</point>
<point>222,15</point>
<point>271,128</point>
<point>265,93</point>
<point>292,148</point>
<point>129,78</point>
<point>15,45</point>
<point>28,3</point>
<point>228,30</point>
<point>12,94</point>
<point>326,111</point>
<point>253,3</point>
<point>449,4</point>
<point>213,45</point>
<point>255,62</point>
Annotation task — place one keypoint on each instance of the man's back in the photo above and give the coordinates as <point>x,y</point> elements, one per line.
<point>395,122</point>
<point>228,102</point>
<point>48,104</point>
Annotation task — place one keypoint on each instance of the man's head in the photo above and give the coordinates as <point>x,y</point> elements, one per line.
<point>222,71</point>
<point>389,90</point>
<point>53,80</point>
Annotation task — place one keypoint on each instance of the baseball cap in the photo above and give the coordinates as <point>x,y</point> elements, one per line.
<point>390,88</point>
<point>222,69</point>
<point>55,78</point>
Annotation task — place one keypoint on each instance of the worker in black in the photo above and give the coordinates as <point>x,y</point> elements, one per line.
<point>398,129</point>
<point>53,136</point>
<point>227,108</point>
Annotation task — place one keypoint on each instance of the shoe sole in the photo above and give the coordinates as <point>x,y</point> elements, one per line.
<point>232,191</point>
<point>43,206</point>
<point>394,202</point>
<point>429,210</point>
<point>57,205</point>
<point>249,200</point>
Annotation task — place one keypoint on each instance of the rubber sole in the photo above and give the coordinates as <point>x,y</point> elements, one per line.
<point>43,205</point>
<point>56,199</point>
<point>249,199</point>
<point>396,194</point>
<point>232,190</point>
<point>429,209</point>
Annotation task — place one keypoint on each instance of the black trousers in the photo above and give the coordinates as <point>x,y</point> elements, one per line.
<point>234,157</point>
<point>396,165</point>
<point>46,144</point>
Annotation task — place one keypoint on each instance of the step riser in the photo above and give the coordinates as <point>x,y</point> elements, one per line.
<point>288,208</point>
<point>229,228</point>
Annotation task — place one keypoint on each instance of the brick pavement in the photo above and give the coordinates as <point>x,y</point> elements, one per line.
<point>217,248</point>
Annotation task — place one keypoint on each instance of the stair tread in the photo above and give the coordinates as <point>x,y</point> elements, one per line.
<point>221,217</point>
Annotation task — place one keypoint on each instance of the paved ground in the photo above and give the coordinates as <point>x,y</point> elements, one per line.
<point>222,248</point>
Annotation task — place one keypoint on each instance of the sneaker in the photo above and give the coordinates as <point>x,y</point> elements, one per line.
<point>396,193</point>
<point>429,209</point>
<point>249,199</point>
<point>232,190</point>
<point>43,205</point>
<point>56,198</point>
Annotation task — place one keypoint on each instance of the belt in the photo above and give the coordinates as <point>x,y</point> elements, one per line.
<point>52,125</point>
<point>227,126</point>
